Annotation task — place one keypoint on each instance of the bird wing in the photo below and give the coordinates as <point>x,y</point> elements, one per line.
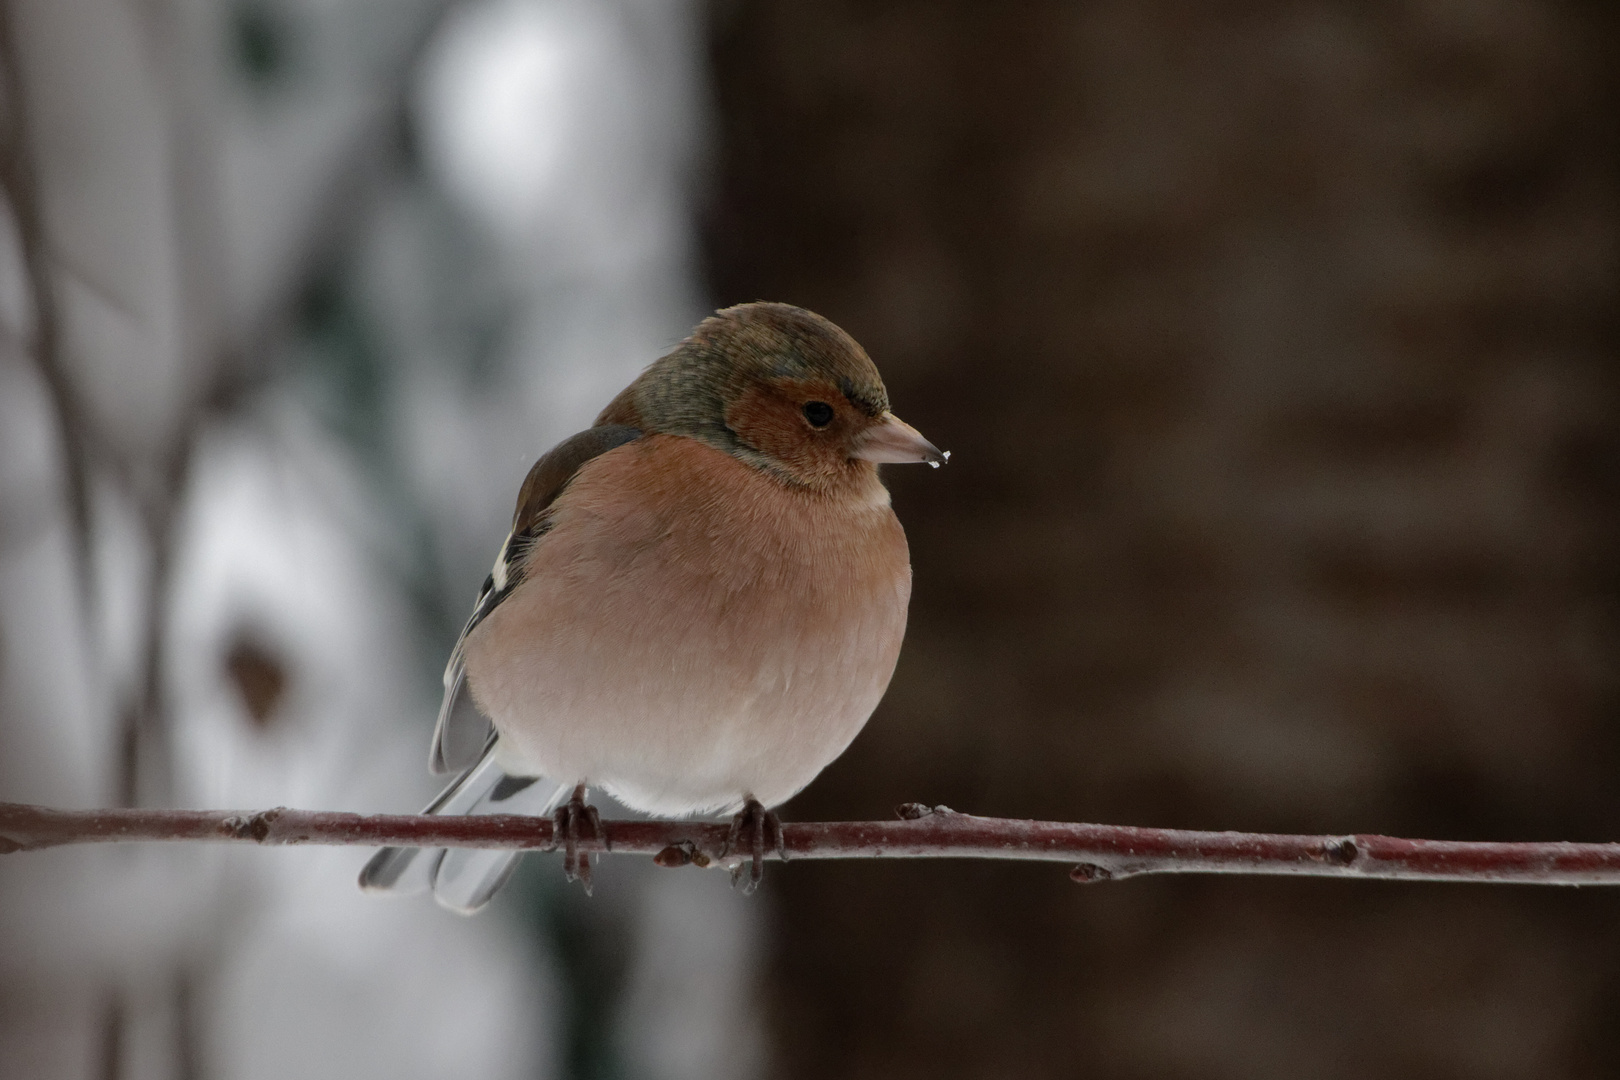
<point>462,731</point>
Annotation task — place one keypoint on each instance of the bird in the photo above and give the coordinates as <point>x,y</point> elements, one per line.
<point>699,605</point>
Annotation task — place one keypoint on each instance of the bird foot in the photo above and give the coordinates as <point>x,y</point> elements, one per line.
<point>759,824</point>
<point>566,826</point>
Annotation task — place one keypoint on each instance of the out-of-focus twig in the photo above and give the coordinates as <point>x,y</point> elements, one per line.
<point>18,181</point>
<point>1098,852</point>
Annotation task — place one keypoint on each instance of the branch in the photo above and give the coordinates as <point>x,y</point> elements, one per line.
<point>1100,852</point>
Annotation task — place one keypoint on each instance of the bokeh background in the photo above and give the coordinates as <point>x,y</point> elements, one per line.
<point>1276,343</point>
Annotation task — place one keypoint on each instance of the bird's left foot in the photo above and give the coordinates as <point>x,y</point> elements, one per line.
<point>758,824</point>
<point>566,825</point>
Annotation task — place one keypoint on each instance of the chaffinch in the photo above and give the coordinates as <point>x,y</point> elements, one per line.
<point>699,605</point>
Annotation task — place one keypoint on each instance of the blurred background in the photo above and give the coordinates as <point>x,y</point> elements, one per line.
<point>1276,343</point>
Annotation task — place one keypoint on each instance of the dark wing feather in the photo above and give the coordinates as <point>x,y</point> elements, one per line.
<point>461,732</point>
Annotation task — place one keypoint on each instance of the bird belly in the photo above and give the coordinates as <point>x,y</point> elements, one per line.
<point>696,643</point>
<point>671,731</point>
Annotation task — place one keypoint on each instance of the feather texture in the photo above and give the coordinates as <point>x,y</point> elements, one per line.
<point>461,730</point>
<point>690,631</point>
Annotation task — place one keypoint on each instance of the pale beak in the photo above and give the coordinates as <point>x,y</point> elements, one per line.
<point>892,441</point>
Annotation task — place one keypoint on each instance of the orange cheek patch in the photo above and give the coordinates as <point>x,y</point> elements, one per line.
<point>768,418</point>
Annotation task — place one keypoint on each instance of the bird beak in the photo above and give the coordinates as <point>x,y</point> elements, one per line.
<point>893,441</point>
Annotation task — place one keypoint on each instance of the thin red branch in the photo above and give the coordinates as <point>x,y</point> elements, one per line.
<point>1098,852</point>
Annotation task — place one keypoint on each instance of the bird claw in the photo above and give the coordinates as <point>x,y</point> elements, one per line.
<point>566,827</point>
<point>760,823</point>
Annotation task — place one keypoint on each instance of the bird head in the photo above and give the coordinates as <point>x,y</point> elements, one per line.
<point>781,388</point>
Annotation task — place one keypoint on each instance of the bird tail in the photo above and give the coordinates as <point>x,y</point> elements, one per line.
<point>465,879</point>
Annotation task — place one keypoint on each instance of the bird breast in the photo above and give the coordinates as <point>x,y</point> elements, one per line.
<point>691,631</point>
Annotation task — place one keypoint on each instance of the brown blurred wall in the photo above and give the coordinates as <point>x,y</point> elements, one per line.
<point>1277,346</point>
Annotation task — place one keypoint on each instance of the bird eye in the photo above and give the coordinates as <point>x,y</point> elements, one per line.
<point>819,413</point>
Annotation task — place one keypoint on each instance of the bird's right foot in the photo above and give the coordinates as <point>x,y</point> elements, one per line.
<point>759,826</point>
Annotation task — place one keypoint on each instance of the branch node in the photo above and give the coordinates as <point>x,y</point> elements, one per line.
<point>1086,873</point>
<point>1341,852</point>
<point>254,827</point>
<point>912,811</point>
<point>680,854</point>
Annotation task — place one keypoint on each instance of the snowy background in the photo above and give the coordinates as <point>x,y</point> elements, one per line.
<point>292,292</point>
